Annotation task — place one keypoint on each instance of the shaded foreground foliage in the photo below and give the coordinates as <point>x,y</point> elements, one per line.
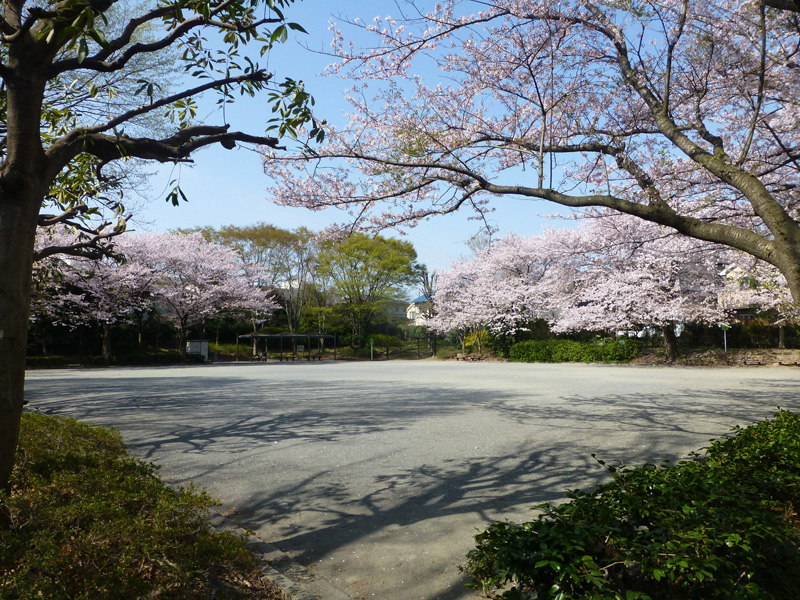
<point>720,525</point>
<point>89,521</point>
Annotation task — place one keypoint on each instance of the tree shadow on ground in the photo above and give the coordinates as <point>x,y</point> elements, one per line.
<point>207,429</point>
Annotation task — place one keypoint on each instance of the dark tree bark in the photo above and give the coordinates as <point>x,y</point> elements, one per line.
<point>24,180</point>
<point>670,342</point>
<point>107,342</point>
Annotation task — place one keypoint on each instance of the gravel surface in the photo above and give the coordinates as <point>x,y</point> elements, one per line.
<point>376,476</point>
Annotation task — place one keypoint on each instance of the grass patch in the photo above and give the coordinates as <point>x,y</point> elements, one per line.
<point>90,522</point>
<point>721,525</point>
<point>228,351</point>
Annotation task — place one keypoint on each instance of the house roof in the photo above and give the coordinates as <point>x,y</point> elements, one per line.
<point>421,300</point>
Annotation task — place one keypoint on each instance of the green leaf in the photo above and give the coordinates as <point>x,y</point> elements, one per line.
<point>83,50</point>
<point>280,34</point>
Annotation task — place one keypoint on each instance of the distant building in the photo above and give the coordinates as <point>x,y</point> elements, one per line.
<point>737,296</point>
<point>417,310</point>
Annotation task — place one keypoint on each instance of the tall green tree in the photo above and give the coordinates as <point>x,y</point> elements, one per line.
<point>367,272</point>
<point>289,256</point>
<point>50,49</point>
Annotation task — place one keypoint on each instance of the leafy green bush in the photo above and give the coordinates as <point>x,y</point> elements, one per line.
<point>227,350</point>
<point>447,353</point>
<point>621,350</point>
<point>381,340</point>
<point>572,351</point>
<point>90,522</point>
<point>144,358</point>
<point>46,362</point>
<point>532,351</point>
<point>718,526</point>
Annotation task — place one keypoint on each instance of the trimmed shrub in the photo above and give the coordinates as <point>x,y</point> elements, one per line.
<point>621,350</point>
<point>718,526</point>
<point>532,351</point>
<point>572,351</point>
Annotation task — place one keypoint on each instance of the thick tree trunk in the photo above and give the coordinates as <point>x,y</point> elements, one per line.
<point>670,342</point>
<point>107,342</point>
<point>182,341</point>
<point>18,214</point>
<point>24,179</point>
<point>788,263</point>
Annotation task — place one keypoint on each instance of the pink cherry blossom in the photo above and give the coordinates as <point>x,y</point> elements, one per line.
<point>681,113</point>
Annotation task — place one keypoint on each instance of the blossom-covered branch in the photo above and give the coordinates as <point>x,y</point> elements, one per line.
<point>684,114</point>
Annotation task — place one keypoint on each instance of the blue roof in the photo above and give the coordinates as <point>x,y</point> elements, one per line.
<point>420,300</point>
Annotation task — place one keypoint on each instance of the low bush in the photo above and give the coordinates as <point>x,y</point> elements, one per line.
<point>572,351</point>
<point>155,358</point>
<point>721,525</point>
<point>447,353</point>
<point>381,340</point>
<point>144,358</point>
<point>46,362</point>
<point>532,351</point>
<point>623,350</point>
<point>90,522</point>
<point>228,350</point>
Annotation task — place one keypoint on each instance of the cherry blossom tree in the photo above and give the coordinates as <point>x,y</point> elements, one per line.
<point>194,280</point>
<point>631,275</point>
<point>682,113</point>
<point>503,286</point>
<point>187,279</point>
<point>54,302</point>
<point>81,278</point>
<point>288,256</point>
<point>613,272</point>
<point>80,282</point>
<point>454,303</point>
<point>115,290</point>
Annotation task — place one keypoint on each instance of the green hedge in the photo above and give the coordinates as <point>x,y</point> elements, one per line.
<point>571,351</point>
<point>718,526</point>
<point>149,358</point>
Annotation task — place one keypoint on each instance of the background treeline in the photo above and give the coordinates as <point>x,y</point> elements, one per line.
<point>155,291</point>
<point>613,275</point>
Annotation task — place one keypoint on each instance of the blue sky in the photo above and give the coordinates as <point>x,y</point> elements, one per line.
<point>228,187</point>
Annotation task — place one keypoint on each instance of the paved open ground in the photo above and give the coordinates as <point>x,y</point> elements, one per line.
<point>377,475</point>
